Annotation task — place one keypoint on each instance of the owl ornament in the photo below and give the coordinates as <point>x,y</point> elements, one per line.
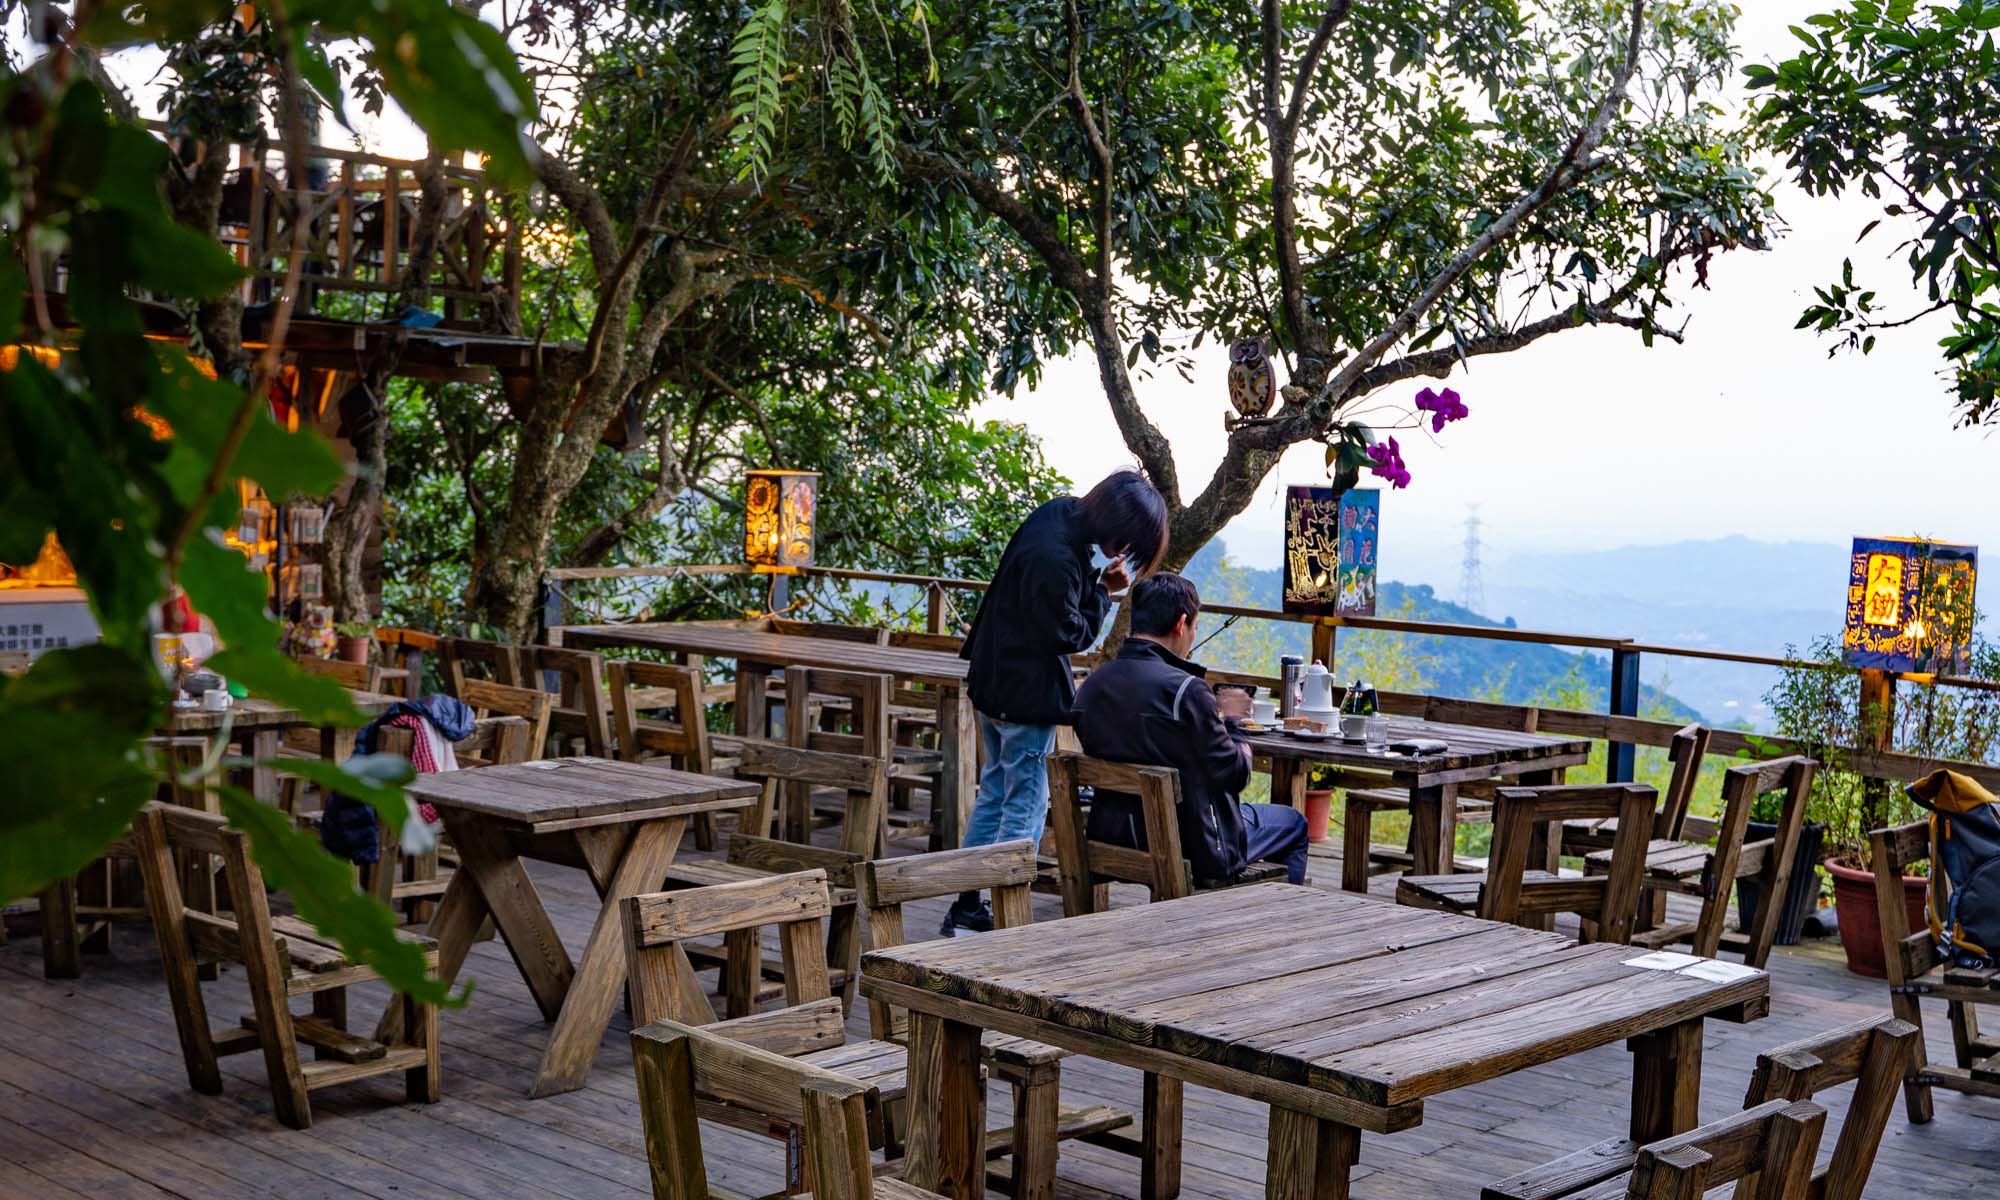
<point>1252,384</point>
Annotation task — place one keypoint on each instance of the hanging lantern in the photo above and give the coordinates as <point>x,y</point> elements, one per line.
<point>1909,605</point>
<point>778,519</point>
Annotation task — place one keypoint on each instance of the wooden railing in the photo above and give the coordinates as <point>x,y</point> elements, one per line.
<point>1621,727</point>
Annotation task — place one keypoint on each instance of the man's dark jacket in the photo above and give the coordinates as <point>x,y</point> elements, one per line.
<point>1044,605</point>
<point>1151,706</point>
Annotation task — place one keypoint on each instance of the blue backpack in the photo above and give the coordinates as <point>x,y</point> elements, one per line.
<point>1965,866</point>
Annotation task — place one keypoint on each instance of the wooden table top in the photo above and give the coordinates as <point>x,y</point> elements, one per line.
<point>1466,746</point>
<point>938,667</point>
<point>570,789</point>
<point>1336,993</point>
<point>255,712</point>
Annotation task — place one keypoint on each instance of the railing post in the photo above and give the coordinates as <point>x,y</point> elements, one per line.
<point>1322,647</point>
<point>934,617</point>
<point>1620,761</point>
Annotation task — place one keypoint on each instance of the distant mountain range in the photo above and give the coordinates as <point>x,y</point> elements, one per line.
<point>1519,672</point>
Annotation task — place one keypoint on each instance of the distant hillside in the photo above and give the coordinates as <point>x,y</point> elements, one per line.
<point>1514,672</point>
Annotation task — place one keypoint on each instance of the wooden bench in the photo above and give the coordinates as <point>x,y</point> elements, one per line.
<point>1709,873</point>
<point>1917,969</point>
<point>1086,866</point>
<point>282,957</point>
<point>1872,1054</point>
<point>1032,1069</point>
<point>683,1070</point>
<point>1519,886</point>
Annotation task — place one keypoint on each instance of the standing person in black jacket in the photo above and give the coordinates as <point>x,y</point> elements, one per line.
<point>1046,603</point>
<point>1150,705</point>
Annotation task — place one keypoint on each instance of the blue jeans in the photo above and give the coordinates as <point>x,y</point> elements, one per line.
<point>1276,833</point>
<point>1013,800</point>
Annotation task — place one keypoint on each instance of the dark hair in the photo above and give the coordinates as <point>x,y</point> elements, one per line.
<point>1160,601</point>
<point>1125,514</point>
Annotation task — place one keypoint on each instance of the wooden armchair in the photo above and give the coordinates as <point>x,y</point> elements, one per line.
<point>282,957</point>
<point>1673,821</point>
<point>684,1071</point>
<point>1710,872</point>
<point>487,699</point>
<point>1770,1147</point>
<point>1086,867</point>
<point>810,1027</point>
<point>472,658</point>
<point>1033,1070</point>
<point>1872,1054</point>
<point>580,711</point>
<point>360,677</point>
<point>1524,819</point>
<point>1916,969</point>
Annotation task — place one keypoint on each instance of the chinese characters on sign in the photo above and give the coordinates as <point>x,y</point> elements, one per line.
<point>1330,550</point>
<point>1909,605</point>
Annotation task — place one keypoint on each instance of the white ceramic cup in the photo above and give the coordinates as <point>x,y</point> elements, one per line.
<point>1353,727</point>
<point>1264,712</point>
<point>216,699</point>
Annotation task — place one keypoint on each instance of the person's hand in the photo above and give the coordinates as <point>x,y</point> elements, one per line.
<point>1114,576</point>
<point>1233,703</point>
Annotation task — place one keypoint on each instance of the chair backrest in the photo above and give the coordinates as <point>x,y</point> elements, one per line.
<point>407,648</point>
<point>493,742</point>
<point>1610,900</point>
<point>1160,867</point>
<point>789,774</point>
<point>158,831</point>
<point>1872,1054</point>
<point>1741,785</point>
<point>656,925</point>
<point>1449,710</point>
<point>1774,1141</point>
<point>1906,955</point>
<point>532,705</point>
<point>679,1066</point>
<point>1685,752</point>
<point>866,715</point>
<point>885,885</point>
<point>472,658</point>
<point>867,635</point>
<point>684,740</point>
<point>361,677</point>
<point>576,679</point>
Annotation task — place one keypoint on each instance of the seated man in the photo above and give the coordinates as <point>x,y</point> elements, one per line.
<point>1150,705</point>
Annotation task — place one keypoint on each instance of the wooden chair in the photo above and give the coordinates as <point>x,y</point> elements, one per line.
<point>866,635</point>
<point>413,883</point>
<point>1710,872</point>
<point>472,658</point>
<point>577,681</point>
<point>282,957</point>
<point>642,688</point>
<point>1918,969</point>
<point>751,855</point>
<point>1032,1069</point>
<point>1087,867</point>
<point>1363,857</point>
<point>684,1072</point>
<point>359,677</point>
<point>1525,820</point>
<point>1673,821</point>
<point>811,1025</point>
<point>487,699</point>
<point>1773,1144</point>
<point>1872,1054</point>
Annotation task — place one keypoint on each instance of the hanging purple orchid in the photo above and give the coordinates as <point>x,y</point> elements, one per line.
<point>1444,408</point>
<point>1388,463</point>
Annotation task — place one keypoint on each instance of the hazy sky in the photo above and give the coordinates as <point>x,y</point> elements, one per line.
<point>1590,439</point>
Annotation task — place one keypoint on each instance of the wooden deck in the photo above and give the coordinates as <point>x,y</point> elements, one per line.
<point>94,1102</point>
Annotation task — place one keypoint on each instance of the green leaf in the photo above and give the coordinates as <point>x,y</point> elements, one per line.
<point>319,700</point>
<point>323,892</point>
<point>374,779</point>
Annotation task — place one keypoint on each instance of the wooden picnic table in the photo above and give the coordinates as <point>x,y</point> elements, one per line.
<point>1471,753</point>
<point>621,822</point>
<point>1341,1012</point>
<point>757,653</point>
<point>264,722</point>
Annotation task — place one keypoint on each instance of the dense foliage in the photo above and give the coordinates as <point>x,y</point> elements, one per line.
<point>1902,100</point>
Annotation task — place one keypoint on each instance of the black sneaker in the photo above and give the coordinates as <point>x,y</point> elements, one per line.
<point>976,919</point>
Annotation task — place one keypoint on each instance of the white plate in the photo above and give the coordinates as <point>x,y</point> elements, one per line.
<point>1311,736</point>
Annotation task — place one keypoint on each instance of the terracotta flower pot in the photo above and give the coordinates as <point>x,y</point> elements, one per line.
<point>354,649</point>
<point>1860,924</point>
<point>1319,805</point>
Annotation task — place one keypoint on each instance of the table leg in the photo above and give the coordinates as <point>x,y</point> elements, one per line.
<point>1288,782</point>
<point>1310,1158</point>
<point>1434,824</point>
<point>603,846</point>
<point>454,926</point>
<point>753,701</point>
<point>958,781</point>
<point>946,1147</point>
<point>61,943</point>
<point>1666,1081</point>
<point>264,745</point>
<point>600,975</point>
<point>1160,1138</point>
<point>516,907</point>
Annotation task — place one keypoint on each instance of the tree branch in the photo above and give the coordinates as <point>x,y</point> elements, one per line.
<point>1093,137</point>
<point>1438,363</point>
<point>1336,12</point>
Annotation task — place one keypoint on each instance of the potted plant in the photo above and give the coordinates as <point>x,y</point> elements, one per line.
<point>1319,805</point>
<point>356,637</point>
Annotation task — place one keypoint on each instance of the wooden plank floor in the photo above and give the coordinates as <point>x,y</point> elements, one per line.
<point>94,1101</point>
